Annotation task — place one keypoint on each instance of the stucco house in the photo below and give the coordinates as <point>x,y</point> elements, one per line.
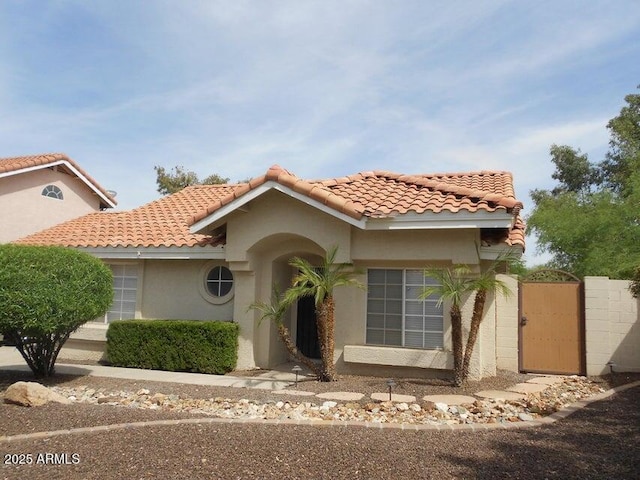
<point>208,252</point>
<point>40,191</point>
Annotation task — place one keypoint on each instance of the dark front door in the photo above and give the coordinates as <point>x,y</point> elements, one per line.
<point>307,330</point>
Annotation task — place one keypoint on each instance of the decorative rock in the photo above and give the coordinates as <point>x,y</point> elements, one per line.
<point>450,399</point>
<point>32,394</point>
<point>443,407</point>
<point>477,412</point>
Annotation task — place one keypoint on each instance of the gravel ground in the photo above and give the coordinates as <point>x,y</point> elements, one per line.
<point>600,441</point>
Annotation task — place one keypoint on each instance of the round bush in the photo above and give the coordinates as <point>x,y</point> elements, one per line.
<point>46,293</point>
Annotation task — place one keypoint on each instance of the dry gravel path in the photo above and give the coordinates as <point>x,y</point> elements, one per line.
<point>600,441</point>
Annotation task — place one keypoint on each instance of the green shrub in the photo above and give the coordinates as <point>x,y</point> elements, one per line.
<point>174,345</point>
<point>46,293</point>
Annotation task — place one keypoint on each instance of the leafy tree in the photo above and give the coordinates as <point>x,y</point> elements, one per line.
<point>454,286</point>
<point>275,312</point>
<point>178,178</point>
<point>319,283</point>
<point>590,222</point>
<point>46,293</point>
<point>623,158</point>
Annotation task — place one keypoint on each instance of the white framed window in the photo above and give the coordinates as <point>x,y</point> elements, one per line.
<point>53,192</point>
<point>125,290</point>
<point>397,316</point>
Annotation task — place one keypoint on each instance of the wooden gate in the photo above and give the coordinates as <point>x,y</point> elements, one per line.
<point>552,324</point>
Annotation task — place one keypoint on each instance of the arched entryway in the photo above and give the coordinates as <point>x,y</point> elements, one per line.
<point>271,257</point>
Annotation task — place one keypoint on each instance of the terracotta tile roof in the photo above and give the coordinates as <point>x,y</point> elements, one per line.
<point>162,223</point>
<point>383,194</point>
<point>517,233</point>
<point>14,165</point>
<point>166,222</point>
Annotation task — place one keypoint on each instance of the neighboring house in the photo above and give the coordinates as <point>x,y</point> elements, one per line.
<point>40,191</point>
<point>208,252</point>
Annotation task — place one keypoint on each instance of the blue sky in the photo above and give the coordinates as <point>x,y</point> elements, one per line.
<point>322,88</point>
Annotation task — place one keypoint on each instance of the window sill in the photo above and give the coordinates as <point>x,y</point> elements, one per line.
<point>91,332</point>
<point>398,357</point>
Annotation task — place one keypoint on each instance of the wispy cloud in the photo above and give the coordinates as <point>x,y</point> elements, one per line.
<point>323,87</point>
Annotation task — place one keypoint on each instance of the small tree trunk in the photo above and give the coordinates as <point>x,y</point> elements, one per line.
<point>456,341</point>
<point>478,311</point>
<point>326,337</point>
<point>285,337</point>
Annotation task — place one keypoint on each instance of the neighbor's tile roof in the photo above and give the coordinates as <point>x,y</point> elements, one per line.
<point>166,222</point>
<point>14,165</point>
<point>162,223</point>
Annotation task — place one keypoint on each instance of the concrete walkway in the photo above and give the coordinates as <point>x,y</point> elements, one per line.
<point>10,359</point>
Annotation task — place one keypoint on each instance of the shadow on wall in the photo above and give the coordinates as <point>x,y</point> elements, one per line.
<point>626,356</point>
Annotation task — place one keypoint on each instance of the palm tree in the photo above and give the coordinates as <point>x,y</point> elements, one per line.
<point>319,282</point>
<point>455,285</point>
<point>275,312</point>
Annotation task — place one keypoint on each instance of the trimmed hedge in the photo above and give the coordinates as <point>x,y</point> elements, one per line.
<point>174,345</point>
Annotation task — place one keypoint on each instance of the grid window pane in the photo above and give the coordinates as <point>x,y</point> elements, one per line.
<point>375,320</point>
<point>393,322</point>
<point>394,277</point>
<point>413,339</point>
<point>432,308</point>
<point>414,322</point>
<point>393,306</point>
<point>415,277</point>
<point>125,286</point>
<point>396,315</point>
<point>375,291</point>
<point>375,337</point>
<point>394,291</point>
<point>393,337</point>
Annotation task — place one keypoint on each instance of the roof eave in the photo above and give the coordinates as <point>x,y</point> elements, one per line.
<point>157,253</point>
<point>443,220</point>
<point>104,199</point>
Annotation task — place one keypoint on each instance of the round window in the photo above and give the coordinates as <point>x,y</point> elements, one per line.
<point>219,281</point>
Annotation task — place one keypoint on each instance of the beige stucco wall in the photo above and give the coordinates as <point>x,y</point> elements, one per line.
<point>173,289</point>
<point>261,239</point>
<point>612,326</point>
<point>271,230</point>
<point>507,322</point>
<point>24,210</point>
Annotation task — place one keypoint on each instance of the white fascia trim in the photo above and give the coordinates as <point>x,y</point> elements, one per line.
<point>442,220</point>
<point>200,227</point>
<point>70,167</point>
<point>159,253</point>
